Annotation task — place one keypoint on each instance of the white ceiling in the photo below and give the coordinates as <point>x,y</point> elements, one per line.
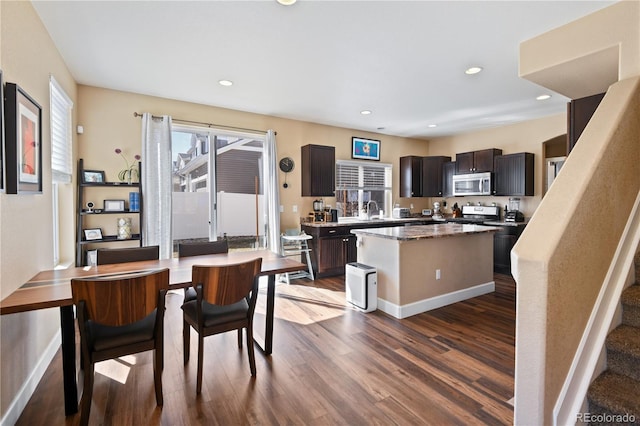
<point>321,61</point>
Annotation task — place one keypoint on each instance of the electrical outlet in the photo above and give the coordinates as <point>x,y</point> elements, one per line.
<point>411,205</point>
<point>281,208</point>
<point>295,208</point>
<point>438,275</point>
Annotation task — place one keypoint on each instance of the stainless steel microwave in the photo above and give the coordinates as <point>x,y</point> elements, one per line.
<point>473,184</point>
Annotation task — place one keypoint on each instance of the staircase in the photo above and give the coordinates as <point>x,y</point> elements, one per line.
<point>616,392</point>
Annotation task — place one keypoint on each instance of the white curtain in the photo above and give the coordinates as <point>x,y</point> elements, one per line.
<point>156,183</point>
<point>272,192</point>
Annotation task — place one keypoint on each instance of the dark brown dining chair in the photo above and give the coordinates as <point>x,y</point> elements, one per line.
<point>225,301</point>
<point>106,256</point>
<point>202,248</point>
<point>117,316</point>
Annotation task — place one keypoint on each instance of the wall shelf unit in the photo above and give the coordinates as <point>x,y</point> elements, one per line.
<point>85,216</point>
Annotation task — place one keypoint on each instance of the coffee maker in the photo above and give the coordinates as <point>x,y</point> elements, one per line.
<point>318,211</point>
<point>514,214</point>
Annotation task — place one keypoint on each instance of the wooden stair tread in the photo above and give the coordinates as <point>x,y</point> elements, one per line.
<point>616,393</point>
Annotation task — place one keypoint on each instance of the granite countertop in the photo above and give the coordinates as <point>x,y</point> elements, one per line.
<point>419,232</point>
<point>357,222</point>
<point>505,223</point>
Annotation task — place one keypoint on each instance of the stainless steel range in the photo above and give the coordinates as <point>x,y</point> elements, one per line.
<point>477,214</point>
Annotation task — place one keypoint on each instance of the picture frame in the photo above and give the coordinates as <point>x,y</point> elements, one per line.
<point>1,131</point>
<point>23,141</point>
<point>113,205</point>
<point>92,234</point>
<point>365,149</point>
<point>93,176</point>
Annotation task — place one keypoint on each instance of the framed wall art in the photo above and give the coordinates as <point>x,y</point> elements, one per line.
<point>23,143</point>
<point>1,131</point>
<point>365,149</point>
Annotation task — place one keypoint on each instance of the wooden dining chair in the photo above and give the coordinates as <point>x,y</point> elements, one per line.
<point>106,256</point>
<point>117,316</point>
<point>225,301</point>
<point>202,248</point>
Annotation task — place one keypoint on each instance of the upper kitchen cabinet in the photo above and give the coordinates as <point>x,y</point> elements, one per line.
<point>411,176</point>
<point>448,170</point>
<point>514,174</point>
<point>476,161</point>
<point>318,171</point>
<point>432,178</point>
<point>579,112</point>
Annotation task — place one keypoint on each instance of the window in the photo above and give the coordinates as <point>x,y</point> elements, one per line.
<point>61,156</point>
<point>363,187</point>
<point>218,179</point>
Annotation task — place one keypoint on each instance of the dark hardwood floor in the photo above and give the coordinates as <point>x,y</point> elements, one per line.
<point>330,365</point>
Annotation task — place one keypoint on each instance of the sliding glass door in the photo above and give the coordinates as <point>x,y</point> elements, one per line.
<point>218,187</point>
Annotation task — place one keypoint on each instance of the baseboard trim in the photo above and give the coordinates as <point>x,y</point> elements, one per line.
<point>425,305</point>
<point>29,386</point>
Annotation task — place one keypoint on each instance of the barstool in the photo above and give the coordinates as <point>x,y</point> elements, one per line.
<point>292,245</point>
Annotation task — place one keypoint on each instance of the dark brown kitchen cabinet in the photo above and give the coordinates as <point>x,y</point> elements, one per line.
<point>411,176</point>
<point>318,171</point>
<point>448,170</point>
<point>476,161</point>
<point>514,174</point>
<point>503,242</point>
<point>331,249</point>
<point>432,179</point>
<point>579,112</point>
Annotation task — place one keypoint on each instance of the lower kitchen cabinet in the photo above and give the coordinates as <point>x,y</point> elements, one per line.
<point>331,249</point>
<point>503,242</point>
<point>334,253</point>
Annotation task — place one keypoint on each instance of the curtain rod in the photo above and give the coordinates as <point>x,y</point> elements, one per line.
<point>137,114</point>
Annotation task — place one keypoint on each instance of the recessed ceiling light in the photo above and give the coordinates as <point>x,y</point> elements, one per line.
<point>432,125</point>
<point>365,112</point>
<point>225,83</point>
<point>473,70</point>
<point>543,97</point>
<point>286,2</point>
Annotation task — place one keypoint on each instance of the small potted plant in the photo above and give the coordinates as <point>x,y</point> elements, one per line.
<point>127,174</point>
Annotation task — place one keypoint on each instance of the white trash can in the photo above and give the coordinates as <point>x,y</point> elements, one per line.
<point>361,282</point>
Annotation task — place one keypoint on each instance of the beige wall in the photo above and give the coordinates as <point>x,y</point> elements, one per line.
<point>107,117</point>
<point>28,59</point>
<point>528,136</point>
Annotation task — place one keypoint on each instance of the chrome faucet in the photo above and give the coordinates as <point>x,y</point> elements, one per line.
<point>369,208</point>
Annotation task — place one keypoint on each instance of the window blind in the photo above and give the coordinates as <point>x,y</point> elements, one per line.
<point>359,175</point>
<point>61,141</point>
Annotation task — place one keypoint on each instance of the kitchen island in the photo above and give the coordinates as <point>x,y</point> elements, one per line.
<point>333,245</point>
<point>425,267</point>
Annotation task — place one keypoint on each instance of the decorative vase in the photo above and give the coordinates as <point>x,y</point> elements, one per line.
<point>124,228</point>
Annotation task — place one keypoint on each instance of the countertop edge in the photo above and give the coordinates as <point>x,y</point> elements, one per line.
<point>421,232</point>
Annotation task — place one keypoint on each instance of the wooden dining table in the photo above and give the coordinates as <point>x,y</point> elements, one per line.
<point>52,289</point>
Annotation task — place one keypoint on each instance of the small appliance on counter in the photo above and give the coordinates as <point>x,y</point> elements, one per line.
<point>514,214</point>
<point>400,212</point>
<point>318,211</point>
<point>437,214</point>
